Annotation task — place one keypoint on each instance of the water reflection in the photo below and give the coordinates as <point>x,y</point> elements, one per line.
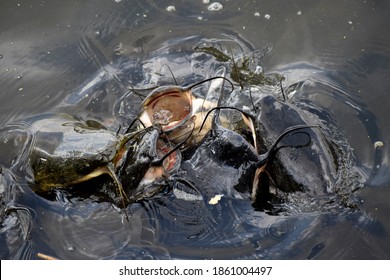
<point>89,60</point>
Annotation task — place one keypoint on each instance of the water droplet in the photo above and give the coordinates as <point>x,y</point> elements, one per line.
<point>267,16</point>
<point>256,14</point>
<point>378,144</point>
<point>171,9</point>
<point>214,7</point>
<point>19,77</point>
<point>118,1</point>
<point>280,230</point>
<point>350,22</point>
<point>258,70</point>
<point>215,199</point>
<point>299,13</point>
<point>21,89</point>
<point>206,1</point>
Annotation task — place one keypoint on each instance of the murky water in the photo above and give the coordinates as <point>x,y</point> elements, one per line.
<point>84,58</point>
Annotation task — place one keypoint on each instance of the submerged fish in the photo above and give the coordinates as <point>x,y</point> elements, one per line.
<point>66,151</point>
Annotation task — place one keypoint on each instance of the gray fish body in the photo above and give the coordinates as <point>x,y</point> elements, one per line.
<point>311,168</point>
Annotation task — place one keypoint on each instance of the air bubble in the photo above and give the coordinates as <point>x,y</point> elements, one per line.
<point>214,7</point>
<point>378,144</point>
<point>171,9</point>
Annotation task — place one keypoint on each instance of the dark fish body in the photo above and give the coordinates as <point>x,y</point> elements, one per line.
<point>304,162</point>
<point>66,151</point>
<point>311,168</point>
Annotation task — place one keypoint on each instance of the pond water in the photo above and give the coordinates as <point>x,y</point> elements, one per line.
<point>85,58</point>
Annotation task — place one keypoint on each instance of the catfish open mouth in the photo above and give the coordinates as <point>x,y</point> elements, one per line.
<point>172,107</point>
<point>176,110</point>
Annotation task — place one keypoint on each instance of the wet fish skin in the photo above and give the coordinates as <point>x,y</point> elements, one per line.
<point>312,168</point>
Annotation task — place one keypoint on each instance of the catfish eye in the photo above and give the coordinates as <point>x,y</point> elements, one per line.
<point>168,107</point>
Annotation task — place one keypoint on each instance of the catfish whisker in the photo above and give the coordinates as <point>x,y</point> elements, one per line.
<point>282,90</point>
<point>159,162</point>
<point>248,120</point>
<point>170,70</point>
<point>132,123</point>
<point>222,107</point>
<point>264,158</point>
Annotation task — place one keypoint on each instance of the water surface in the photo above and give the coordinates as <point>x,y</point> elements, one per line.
<point>84,57</point>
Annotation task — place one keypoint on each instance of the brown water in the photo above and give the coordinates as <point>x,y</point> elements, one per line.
<point>82,57</point>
